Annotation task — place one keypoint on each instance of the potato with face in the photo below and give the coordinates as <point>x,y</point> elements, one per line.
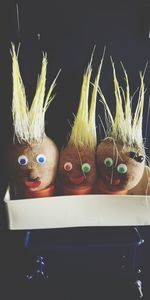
<point>120,156</point>
<point>77,170</point>
<point>119,168</point>
<point>32,158</point>
<point>77,173</point>
<point>32,169</point>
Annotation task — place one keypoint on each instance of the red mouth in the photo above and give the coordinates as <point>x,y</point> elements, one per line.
<point>76,180</point>
<point>112,181</point>
<point>32,184</point>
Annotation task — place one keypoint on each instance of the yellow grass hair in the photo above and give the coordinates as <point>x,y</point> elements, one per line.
<point>126,127</point>
<point>84,128</point>
<point>29,124</point>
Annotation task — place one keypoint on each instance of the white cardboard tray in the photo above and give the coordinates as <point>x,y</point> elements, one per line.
<point>77,211</point>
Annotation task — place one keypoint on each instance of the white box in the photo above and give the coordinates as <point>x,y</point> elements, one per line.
<point>77,211</point>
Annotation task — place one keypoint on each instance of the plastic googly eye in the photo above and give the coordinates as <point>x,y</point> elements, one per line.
<point>122,168</point>
<point>108,162</point>
<point>86,168</point>
<point>68,166</point>
<point>140,158</point>
<point>132,154</point>
<point>41,159</point>
<point>135,156</point>
<point>22,160</point>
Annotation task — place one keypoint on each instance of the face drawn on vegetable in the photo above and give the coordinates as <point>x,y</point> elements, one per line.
<point>33,167</point>
<point>77,169</point>
<point>120,155</point>
<point>32,158</point>
<point>118,169</point>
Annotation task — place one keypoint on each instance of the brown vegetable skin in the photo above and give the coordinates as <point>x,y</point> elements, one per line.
<point>45,173</point>
<point>113,181</point>
<point>76,181</point>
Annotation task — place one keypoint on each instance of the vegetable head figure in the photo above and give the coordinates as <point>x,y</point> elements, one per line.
<point>121,156</point>
<point>77,171</point>
<point>33,157</point>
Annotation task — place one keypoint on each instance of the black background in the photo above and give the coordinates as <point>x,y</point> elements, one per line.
<point>68,32</point>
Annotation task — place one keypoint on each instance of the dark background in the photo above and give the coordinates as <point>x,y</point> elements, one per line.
<point>68,31</point>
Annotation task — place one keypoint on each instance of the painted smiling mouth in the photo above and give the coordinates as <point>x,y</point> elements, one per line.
<point>76,180</point>
<point>32,183</point>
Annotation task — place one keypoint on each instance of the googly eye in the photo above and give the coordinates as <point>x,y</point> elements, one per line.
<point>140,158</point>
<point>135,156</point>
<point>68,166</point>
<point>122,168</point>
<point>108,162</point>
<point>22,160</point>
<point>41,159</point>
<point>132,154</point>
<point>86,168</point>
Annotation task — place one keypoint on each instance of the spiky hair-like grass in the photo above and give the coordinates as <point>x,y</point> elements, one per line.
<point>126,126</point>
<point>84,129</point>
<point>29,124</point>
